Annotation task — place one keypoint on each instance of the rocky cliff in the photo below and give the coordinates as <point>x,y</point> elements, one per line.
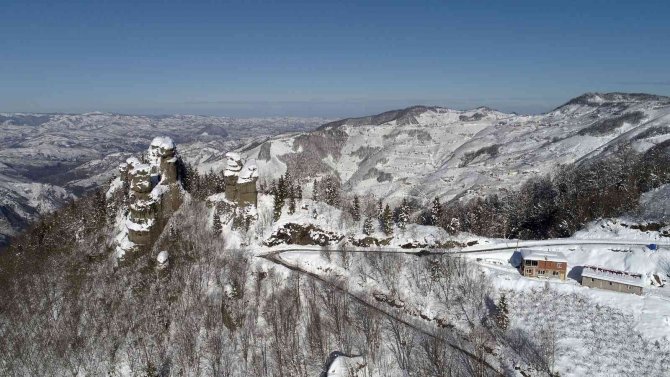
<point>153,192</point>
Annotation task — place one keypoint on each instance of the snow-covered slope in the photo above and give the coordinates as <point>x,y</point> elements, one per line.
<point>47,158</point>
<point>419,152</point>
<point>422,152</point>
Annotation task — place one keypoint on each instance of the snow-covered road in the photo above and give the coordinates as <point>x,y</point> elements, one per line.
<point>510,245</point>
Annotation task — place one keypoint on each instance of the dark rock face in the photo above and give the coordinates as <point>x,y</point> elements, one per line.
<point>264,153</point>
<point>303,234</point>
<point>472,118</point>
<point>606,126</point>
<point>247,194</point>
<point>369,241</point>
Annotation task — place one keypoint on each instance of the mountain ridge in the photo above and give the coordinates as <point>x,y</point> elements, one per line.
<point>427,151</point>
<point>402,114</point>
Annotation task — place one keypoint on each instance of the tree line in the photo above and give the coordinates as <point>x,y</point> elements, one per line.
<point>558,205</point>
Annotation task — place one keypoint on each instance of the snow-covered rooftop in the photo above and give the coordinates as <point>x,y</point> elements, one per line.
<point>554,256</point>
<point>616,276</point>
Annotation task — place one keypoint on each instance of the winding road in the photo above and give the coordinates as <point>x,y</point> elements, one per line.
<point>456,341</point>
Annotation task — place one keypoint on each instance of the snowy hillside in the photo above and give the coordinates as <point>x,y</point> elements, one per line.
<point>422,152</point>
<point>47,158</point>
<point>419,152</point>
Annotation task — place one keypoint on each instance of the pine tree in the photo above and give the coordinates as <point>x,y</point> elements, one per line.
<point>380,210</point>
<point>291,201</point>
<point>277,207</point>
<point>436,212</point>
<point>247,222</point>
<point>367,226</point>
<point>288,182</point>
<point>387,221</point>
<point>315,191</point>
<point>189,178</point>
<point>403,214</point>
<point>502,316</point>
<point>356,209</point>
<point>291,205</point>
<point>281,189</point>
<point>217,222</point>
<point>331,191</point>
<point>297,192</point>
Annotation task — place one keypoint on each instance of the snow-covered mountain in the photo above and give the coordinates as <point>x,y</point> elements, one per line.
<point>423,152</point>
<point>418,152</point>
<point>46,159</point>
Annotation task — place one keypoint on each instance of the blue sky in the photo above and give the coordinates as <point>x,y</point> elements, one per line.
<point>333,59</point>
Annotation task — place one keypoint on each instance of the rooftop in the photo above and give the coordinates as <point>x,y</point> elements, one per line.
<point>554,256</point>
<point>616,276</point>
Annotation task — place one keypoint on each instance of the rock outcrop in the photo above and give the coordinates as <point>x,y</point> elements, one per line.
<point>240,181</point>
<point>302,234</point>
<point>154,193</point>
<point>237,204</point>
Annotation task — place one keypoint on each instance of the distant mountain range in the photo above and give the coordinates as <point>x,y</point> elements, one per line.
<point>422,152</point>
<point>419,152</point>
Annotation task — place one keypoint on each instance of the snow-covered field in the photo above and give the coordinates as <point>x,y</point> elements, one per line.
<point>598,332</point>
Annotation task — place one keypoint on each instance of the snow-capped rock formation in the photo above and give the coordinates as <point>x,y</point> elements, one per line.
<point>155,192</point>
<point>240,179</point>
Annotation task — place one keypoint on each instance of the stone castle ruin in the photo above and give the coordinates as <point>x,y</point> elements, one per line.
<point>155,192</point>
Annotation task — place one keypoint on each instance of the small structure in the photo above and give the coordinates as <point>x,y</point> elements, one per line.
<point>546,264</point>
<point>612,280</point>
